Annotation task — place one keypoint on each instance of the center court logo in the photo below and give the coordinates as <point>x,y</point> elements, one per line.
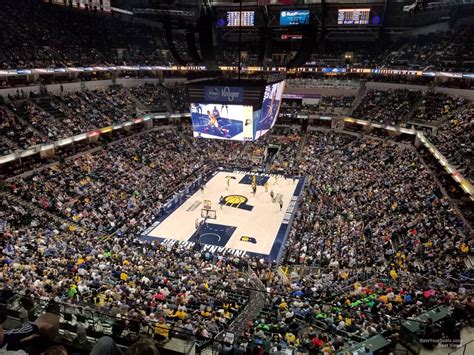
<point>237,201</point>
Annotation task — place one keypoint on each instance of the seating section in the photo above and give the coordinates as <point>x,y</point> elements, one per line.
<point>368,226</point>
<point>36,35</point>
<point>152,96</point>
<point>437,50</point>
<point>436,106</point>
<point>392,107</point>
<point>130,295</point>
<point>374,245</point>
<point>454,140</point>
<point>16,133</point>
<point>41,36</point>
<point>155,162</point>
<point>179,99</point>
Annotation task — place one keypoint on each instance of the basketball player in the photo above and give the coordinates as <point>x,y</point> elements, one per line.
<point>281,203</point>
<point>266,186</point>
<point>198,108</point>
<point>270,110</point>
<point>216,113</point>
<point>226,109</point>
<point>270,107</point>
<point>212,120</point>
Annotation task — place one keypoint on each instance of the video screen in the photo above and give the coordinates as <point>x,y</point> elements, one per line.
<point>294,17</point>
<point>233,18</point>
<point>222,121</point>
<point>353,16</point>
<point>270,108</point>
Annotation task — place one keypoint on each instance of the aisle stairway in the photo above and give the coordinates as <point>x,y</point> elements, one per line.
<point>45,104</point>
<point>140,105</point>
<point>301,146</point>
<point>21,115</point>
<point>255,304</point>
<point>360,94</point>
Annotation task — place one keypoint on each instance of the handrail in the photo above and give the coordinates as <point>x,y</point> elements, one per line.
<point>461,347</point>
<point>81,308</point>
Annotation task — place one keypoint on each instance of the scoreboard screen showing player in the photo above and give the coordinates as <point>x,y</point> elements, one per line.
<point>233,18</point>
<point>353,16</point>
<point>222,121</point>
<point>221,109</point>
<point>265,118</point>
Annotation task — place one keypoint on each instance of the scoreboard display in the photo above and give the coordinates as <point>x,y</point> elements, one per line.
<point>234,18</point>
<point>353,16</point>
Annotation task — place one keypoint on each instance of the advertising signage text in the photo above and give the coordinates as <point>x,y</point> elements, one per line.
<point>226,94</point>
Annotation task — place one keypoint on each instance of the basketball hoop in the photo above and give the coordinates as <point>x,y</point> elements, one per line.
<point>207,204</point>
<point>208,213</point>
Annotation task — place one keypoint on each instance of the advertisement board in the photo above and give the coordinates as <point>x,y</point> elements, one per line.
<point>294,17</point>
<point>224,94</point>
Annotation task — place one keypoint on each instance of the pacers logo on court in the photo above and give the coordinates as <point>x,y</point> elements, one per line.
<point>237,201</point>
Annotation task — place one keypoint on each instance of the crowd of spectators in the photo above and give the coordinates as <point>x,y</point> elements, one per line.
<point>454,140</point>
<point>154,162</point>
<point>26,122</point>
<point>348,178</point>
<point>16,134</point>
<point>391,107</point>
<point>370,211</point>
<point>369,207</point>
<point>437,50</point>
<point>37,35</point>
<point>153,96</point>
<point>436,106</point>
<point>40,36</point>
<point>179,99</point>
<point>38,119</point>
<point>171,290</point>
<point>288,142</point>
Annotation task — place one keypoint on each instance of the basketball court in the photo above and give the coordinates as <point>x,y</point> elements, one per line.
<point>225,215</point>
